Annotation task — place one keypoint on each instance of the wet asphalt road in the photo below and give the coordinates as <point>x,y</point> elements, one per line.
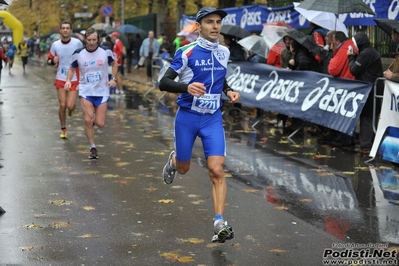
<point>286,202</point>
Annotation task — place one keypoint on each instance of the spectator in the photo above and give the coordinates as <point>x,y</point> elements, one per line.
<point>327,51</point>
<point>286,54</point>
<point>136,50</point>
<point>129,53</point>
<point>366,66</point>
<point>339,67</point>
<point>236,52</point>
<point>303,59</point>
<point>392,72</point>
<point>318,35</point>
<point>339,64</point>
<point>150,49</point>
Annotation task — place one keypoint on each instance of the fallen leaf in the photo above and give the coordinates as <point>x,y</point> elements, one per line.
<point>110,176</point>
<point>306,200</point>
<point>166,201</point>
<point>27,248</point>
<point>120,164</point>
<point>281,208</point>
<point>61,224</point>
<point>89,236</point>
<point>89,208</point>
<point>197,202</point>
<point>93,172</point>
<point>277,250</point>
<point>61,202</point>
<point>151,189</point>
<point>247,190</point>
<point>176,257</point>
<point>191,240</point>
<point>123,182</point>
<point>32,226</point>
<point>321,156</point>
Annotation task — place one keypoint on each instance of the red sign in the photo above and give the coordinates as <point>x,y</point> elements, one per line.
<point>107,10</point>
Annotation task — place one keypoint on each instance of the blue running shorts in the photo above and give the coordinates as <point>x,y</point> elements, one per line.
<point>96,100</point>
<point>209,127</point>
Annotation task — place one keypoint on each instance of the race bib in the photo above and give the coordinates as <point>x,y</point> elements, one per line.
<point>24,51</point>
<point>208,103</point>
<point>93,77</point>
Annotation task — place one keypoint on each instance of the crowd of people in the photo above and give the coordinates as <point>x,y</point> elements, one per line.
<point>337,55</point>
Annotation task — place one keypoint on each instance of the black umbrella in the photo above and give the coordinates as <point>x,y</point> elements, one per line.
<point>235,31</point>
<point>304,40</point>
<point>3,2</point>
<point>387,25</point>
<point>337,6</point>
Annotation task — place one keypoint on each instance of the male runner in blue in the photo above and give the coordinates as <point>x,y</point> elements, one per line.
<point>201,67</point>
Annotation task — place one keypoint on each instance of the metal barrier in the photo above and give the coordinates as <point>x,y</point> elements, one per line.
<point>376,112</point>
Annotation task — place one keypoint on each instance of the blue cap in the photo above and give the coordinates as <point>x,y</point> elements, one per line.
<point>205,11</point>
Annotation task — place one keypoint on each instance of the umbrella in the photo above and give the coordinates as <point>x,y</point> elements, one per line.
<point>254,43</point>
<point>337,6</point>
<point>325,20</point>
<point>305,40</point>
<point>273,32</point>
<point>131,29</point>
<point>121,37</point>
<point>388,25</point>
<point>235,31</point>
<point>3,2</point>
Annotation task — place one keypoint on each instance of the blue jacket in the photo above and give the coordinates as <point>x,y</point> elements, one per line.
<point>144,48</point>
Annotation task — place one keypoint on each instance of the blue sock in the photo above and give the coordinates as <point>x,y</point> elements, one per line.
<point>218,217</point>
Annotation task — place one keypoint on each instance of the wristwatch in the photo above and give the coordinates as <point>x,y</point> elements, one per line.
<point>114,79</point>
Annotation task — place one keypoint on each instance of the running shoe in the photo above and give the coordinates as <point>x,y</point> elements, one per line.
<point>93,153</point>
<point>169,174</point>
<point>63,134</point>
<point>222,232</point>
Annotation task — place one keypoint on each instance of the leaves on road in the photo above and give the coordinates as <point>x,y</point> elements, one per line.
<point>191,240</point>
<point>177,257</point>
<point>27,248</point>
<point>32,226</point>
<point>89,208</point>
<point>166,201</point>
<point>89,236</point>
<point>277,250</point>
<point>61,224</point>
<point>61,202</point>
<point>281,208</point>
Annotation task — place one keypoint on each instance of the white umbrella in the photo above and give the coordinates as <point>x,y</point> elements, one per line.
<point>325,20</point>
<point>255,44</point>
<point>273,32</point>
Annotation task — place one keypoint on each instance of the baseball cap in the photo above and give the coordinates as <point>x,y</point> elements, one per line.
<point>115,33</point>
<point>205,11</point>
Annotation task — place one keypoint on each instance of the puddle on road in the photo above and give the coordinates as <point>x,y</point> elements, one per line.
<point>331,188</point>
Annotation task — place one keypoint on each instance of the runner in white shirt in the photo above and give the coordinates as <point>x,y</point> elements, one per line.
<point>60,54</point>
<point>92,61</point>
